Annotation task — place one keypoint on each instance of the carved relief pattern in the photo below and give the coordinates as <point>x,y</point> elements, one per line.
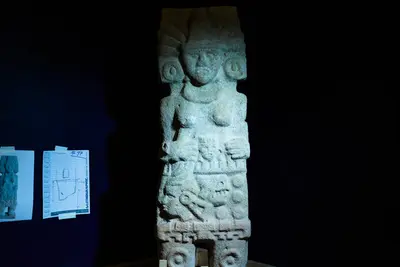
<point>205,134</point>
<point>178,257</point>
<point>190,232</point>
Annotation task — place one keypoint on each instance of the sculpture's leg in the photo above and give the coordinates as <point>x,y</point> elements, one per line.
<point>11,211</point>
<point>13,206</point>
<point>178,254</point>
<point>232,253</point>
<point>2,208</point>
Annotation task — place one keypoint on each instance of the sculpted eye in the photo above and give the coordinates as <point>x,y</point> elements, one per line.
<point>192,53</point>
<point>212,54</point>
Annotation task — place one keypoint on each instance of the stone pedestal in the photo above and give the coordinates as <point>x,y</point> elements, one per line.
<point>154,263</point>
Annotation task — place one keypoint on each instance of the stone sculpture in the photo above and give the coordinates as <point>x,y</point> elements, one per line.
<point>8,186</point>
<point>203,199</point>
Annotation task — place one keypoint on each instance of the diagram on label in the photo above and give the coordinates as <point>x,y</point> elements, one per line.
<point>65,186</point>
<point>65,183</point>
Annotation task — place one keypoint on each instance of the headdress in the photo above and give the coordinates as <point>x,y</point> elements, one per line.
<point>213,27</point>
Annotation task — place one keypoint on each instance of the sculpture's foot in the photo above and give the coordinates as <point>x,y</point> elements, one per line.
<point>232,253</point>
<point>11,213</point>
<point>178,254</point>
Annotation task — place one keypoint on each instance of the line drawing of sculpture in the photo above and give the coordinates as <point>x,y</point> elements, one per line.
<point>8,186</point>
<point>203,198</point>
<point>65,183</point>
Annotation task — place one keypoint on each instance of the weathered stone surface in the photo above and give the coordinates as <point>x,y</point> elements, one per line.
<point>203,197</point>
<point>8,186</point>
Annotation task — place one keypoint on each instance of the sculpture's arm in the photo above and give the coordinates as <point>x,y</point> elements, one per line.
<point>243,124</point>
<point>167,110</point>
<point>15,164</point>
<point>242,106</point>
<point>238,147</point>
<point>15,184</point>
<point>177,143</point>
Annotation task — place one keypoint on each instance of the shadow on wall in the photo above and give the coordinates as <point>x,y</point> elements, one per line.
<point>128,209</point>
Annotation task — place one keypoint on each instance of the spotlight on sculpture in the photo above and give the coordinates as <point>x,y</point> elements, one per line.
<point>203,199</point>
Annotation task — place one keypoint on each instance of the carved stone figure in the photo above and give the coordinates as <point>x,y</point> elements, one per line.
<point>203,199</point>
<point>8,186</point>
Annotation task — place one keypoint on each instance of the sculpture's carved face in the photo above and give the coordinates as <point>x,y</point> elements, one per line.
<point>202,64</point>
<point>215,188</point>
<point>170,202</point>
<point>208,148</point>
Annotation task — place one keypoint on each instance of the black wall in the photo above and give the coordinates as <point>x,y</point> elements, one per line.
<point>86,77</point>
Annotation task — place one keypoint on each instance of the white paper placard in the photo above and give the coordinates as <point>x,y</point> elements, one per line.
<point>16,184</point>
<point>66,187</point>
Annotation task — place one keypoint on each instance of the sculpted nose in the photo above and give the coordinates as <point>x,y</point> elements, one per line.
<point>162,200</point>
<point>202,59</point>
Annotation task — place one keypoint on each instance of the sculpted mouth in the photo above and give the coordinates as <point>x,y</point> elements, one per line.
<point>220,193</point>
<point>201,70</point>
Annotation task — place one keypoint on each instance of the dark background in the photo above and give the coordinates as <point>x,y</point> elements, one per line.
<point>85,76</point>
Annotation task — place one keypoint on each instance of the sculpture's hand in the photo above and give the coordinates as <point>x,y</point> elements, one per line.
<point>238,148</point>
<point>186,150</point>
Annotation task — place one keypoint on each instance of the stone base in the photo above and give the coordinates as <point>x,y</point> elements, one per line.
<point>202,259</point>
<point>154,263</point>
<point>8,217</point>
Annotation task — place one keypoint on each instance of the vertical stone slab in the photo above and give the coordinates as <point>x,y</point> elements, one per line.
<point>203,198</point>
